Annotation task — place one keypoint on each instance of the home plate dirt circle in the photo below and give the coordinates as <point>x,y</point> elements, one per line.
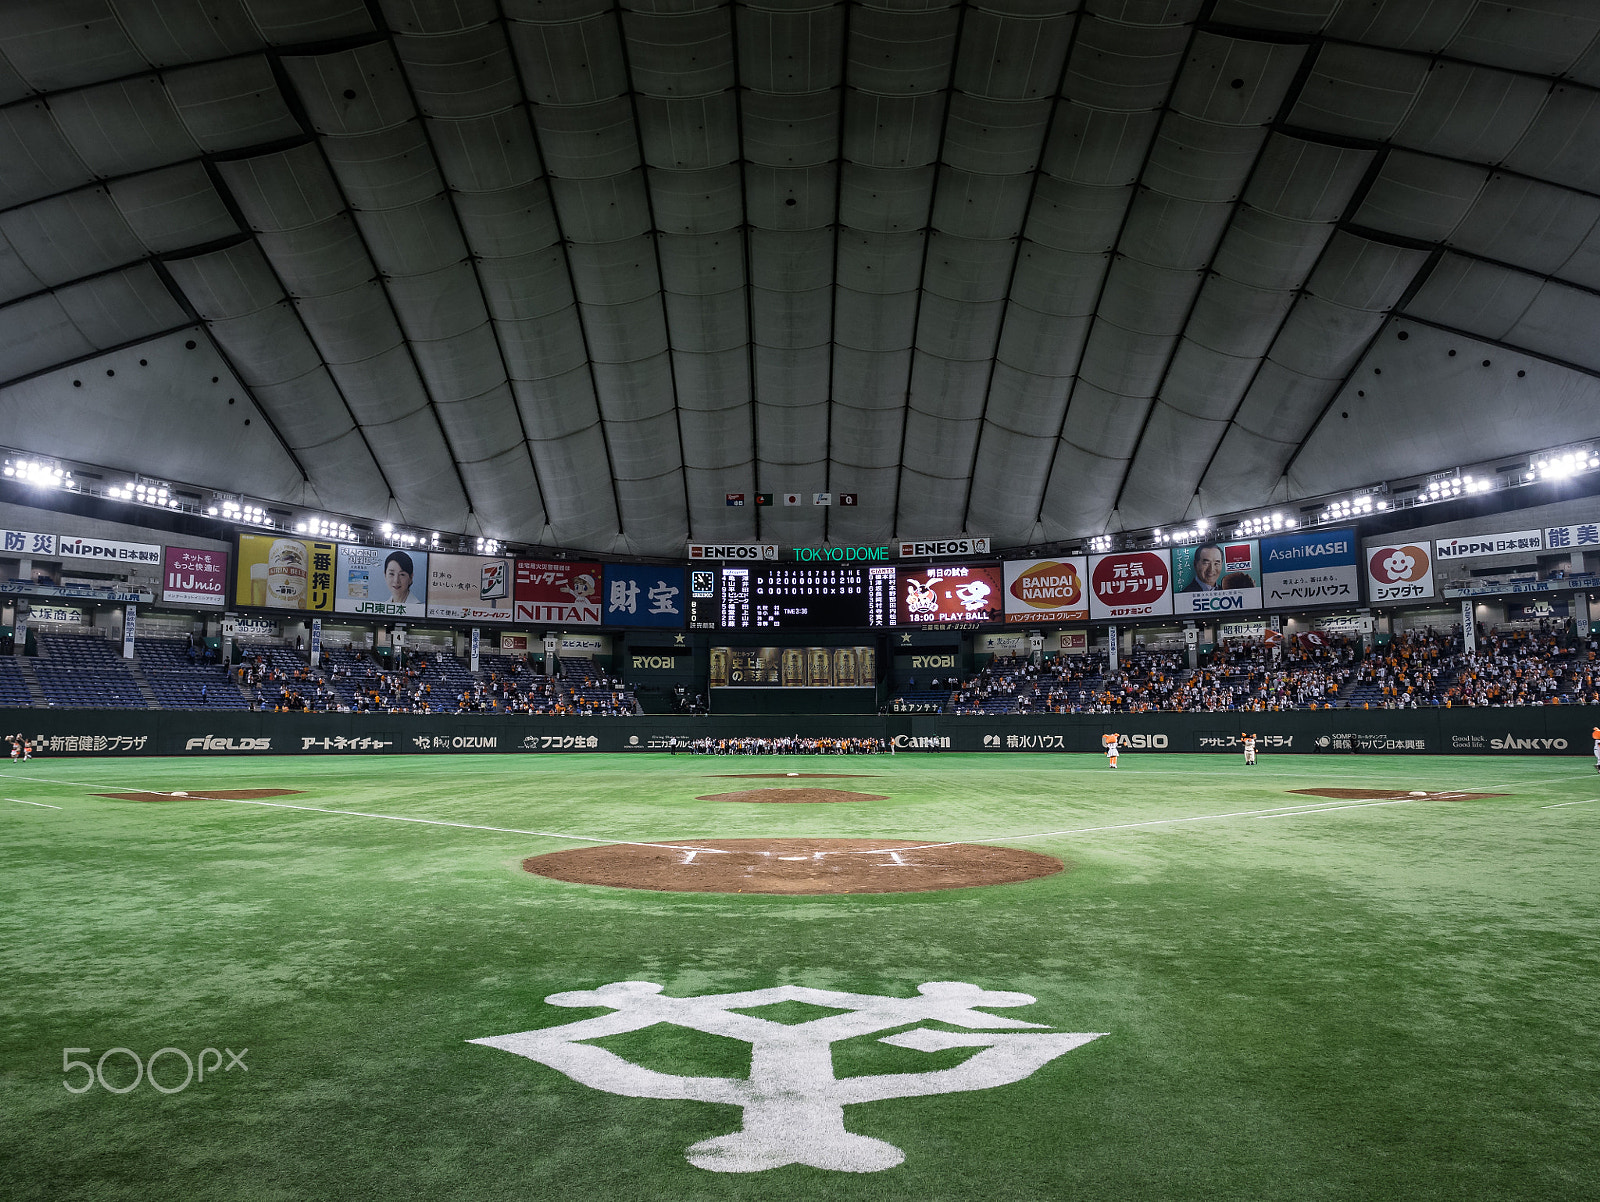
<point>792,796</point>
<point>794,866</point>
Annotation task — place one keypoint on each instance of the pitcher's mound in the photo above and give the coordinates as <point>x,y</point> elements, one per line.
<point>1392,794</point>
<point>794,866</point>
<point>791,795</point>
<point>204,795</point>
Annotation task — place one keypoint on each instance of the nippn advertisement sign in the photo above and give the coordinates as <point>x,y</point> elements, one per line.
<point>1047,589</point>
<point>1216,578</point>
<point>1130,584</point>
<point>469,588</point>
<point>1399,572</point>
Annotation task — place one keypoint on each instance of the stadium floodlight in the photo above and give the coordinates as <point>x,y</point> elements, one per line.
<point>40,473</point>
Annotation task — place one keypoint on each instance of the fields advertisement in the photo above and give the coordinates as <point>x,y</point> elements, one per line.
<point>1216,578</point>
<point>1130,584</point>
<point>558,591</point>
<point>1038,590</point>
<point>384,583</point>
<point>469,588</point>
<point>284,573</point>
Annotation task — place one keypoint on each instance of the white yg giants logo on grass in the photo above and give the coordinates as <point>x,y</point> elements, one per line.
<point>793,1104</point>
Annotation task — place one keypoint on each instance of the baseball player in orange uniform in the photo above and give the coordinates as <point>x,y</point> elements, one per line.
<point>1109,742</point>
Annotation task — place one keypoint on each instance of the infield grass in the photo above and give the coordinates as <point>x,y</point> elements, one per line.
<point>1346,1001</point>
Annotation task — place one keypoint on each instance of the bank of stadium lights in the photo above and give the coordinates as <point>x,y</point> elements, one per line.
<point>239,511</point>
<point>40,473</point>
<point>1568,463</point>
<point>322,527</point>
<point>1265,523</point>
<point>145,492</point>
<point>1181,535</point>
<point>1100,543</point>
<point>489,546</point>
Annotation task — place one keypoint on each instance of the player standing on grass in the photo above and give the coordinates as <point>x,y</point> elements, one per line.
<point>1596,733</point>
<point>1110,742</point>
<point>1249,742</point>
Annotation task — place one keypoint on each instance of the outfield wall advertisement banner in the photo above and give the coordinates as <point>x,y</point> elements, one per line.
<point>558,591</point>
<point>1216,578</point>
<point>1042,590</point>
<point>469,588</point>
<point>947,593</point>
<point>1512,542</point>
<point>284,573</point>
<point>383,583</point>
<point>191,576</point>
<point>1399,572</point>
<point>1311,568</point>
<point>641,595</point>
<point>1130,584</point>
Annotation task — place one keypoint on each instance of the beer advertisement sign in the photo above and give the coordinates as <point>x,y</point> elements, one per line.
<point>284,573</point>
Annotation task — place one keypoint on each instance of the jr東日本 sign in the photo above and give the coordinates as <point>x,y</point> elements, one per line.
<point>1399,572</point>
<point>1130,584</point>
<point>1044,589</point>
<point>372,580</point>
<point>469,588</point>
<point>641,595</point>
<point>193,576</point>
<point>1309,568</point>
<point>947,593</point>
<point>1469,546</point>
<point>1216,578</point>
<point>558,591</point>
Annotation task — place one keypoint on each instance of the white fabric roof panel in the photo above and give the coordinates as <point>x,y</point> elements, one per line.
<point>1140,248</point>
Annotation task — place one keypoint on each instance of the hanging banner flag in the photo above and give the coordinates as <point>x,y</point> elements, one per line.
<point>1314,567</point>
<point>558,591</point>
<point>822,498</point>
<point>1043,589</point>
<point>476,635</point>
<point>1399,572</point>
<point>848,498</point>
<point>129,624</point>
<point>316,641</point>
<point>763,498</point>
<point>1469,629</point>
<point>735,499</point>
<point>641,595</point>
<point>791,498</point>
<point>1215,578</point>
<point>1130,584</point>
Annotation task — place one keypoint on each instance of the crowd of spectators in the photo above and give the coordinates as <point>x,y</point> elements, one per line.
<point>785,745</point>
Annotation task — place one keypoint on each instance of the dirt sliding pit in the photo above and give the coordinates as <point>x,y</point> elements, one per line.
<point>1392,794</point>
<point>203,795</point>
<point>792,796</point>
<point>794,866</point>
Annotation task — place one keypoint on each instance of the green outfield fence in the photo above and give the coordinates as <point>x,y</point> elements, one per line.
<point>1544,730</point>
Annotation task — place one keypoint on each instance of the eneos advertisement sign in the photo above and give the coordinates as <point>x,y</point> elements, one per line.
<point>1130,584</point>
<point>947,593</point>
<point>1216,578</point>
<point>1399,573</point>
<point>557,591</point>
<point>1047,589</point>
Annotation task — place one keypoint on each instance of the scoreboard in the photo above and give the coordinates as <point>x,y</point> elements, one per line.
<point>792,597</point>
<point>703,598</point>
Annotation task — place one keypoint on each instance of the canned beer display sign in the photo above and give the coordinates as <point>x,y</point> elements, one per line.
<point>1130,584</point>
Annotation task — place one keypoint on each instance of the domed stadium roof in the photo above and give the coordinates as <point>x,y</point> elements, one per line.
<point>569,272</point>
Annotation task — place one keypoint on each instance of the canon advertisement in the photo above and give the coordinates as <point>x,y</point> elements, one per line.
<point>1399,572</point>
<point>1310,568</point>
<point>1039,590</point>
<point>1216,578</point>
<point>1130,584</point>
<point>947,593</point>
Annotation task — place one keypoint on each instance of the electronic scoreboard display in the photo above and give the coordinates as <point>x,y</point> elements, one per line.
<point>794,597</point>
<point>703,613</point>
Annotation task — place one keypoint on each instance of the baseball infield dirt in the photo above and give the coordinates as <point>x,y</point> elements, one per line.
<point>794,866</point>
<point>205,795</point>
<point>801,796</point>
<point>1391,794</point>
<point>791,775</point>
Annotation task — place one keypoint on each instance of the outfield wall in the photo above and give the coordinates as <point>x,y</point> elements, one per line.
<point>1544,730</point>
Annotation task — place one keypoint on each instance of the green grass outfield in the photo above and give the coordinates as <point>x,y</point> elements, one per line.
<point>1356,1001</point>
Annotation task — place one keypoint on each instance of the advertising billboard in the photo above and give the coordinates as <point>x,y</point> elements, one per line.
<point>641,595</point>
<point>1399,572</point>
<point>469,588</point>
<point>793,667</point>
<point>1219,577</point>
<point>380,582</point>
<point>948,593</point>
<point>284,573</point>
<point>1314,567</point>
<point>1509,542</point>
<point>557,591</point>
<point>1130,584</point>
<point>1047,589</point>
<point>191,576</point>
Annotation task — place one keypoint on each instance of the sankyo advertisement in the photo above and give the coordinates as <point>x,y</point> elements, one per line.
<point>1216,578</point>
<point>371,580</point>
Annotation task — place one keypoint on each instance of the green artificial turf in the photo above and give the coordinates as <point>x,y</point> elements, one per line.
<point>1373,1001</point>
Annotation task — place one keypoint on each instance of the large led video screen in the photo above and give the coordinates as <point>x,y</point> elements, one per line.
<point>948,593</point>
<point>797,597</point>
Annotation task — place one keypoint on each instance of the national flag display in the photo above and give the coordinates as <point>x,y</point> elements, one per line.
<point>763,498</point>
<point>822,498</point>
<point>791,498</point>
<point>736,498</point>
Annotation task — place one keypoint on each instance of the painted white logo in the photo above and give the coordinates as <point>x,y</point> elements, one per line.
<point>793,1104</point>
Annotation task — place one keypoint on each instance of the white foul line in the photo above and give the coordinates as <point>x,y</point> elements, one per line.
<point>1559,804</point>
<point>20,802</point>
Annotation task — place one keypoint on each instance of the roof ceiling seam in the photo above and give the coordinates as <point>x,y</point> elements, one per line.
<point>380,19</point>
<point>1498,344</point>
<point>1066,414</point>
<point>566,258</point>
<point>1056,101</point>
